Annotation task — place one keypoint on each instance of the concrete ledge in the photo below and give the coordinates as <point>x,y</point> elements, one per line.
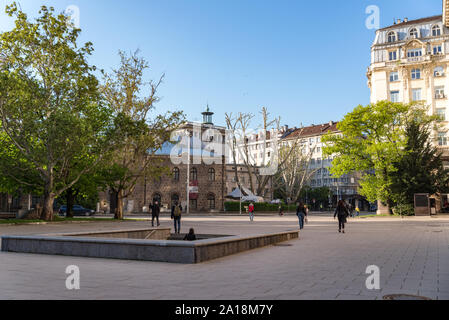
<point>136,249</point>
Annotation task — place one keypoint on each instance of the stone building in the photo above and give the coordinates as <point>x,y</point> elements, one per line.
<point>210,177</point>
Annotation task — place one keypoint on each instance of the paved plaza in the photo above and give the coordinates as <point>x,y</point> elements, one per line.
<point>412,254</point>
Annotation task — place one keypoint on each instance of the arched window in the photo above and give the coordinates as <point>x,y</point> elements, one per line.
<point>436,31</point>
<point>391,36</point>
<point>176,174</point>
<point>438,72</point>
<point>414,33</point>
<point>193,174</point>
<point>211,201</point>
<point>211,174</point>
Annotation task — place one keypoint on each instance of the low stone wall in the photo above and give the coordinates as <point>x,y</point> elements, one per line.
<point>144,234</point>
<point>188,252</point>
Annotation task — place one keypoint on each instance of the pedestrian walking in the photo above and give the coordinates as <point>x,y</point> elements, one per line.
<point>301,213</point>
<point>155,211</point>
<point>306,220</point>
<point>342,213</point>
<point>281,210</point>
<point>351,210</point>
<point>251,212</point>
<point>190,236</point>
<point>176,213</point>
<point>357,210</point>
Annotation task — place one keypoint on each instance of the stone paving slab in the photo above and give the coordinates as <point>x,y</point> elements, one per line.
<point>323,264</point>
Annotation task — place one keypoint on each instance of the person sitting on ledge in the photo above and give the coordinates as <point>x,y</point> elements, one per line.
<point>190,236</point>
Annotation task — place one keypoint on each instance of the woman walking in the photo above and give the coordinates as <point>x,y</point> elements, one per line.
<point>342,213</point>
<point>251,212</point>
<point>301,212</point>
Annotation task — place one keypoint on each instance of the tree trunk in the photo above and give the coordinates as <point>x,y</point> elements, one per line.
<point>70,199</point>
<point>47,211</point>
<point>119,209</point>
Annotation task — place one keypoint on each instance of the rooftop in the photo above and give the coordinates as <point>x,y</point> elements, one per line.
<point>313,130</point>
<point>412,22</point>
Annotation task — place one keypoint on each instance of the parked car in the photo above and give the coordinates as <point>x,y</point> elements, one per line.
<point>77,211</point>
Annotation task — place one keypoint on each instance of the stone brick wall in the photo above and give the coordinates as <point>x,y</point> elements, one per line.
<point>169,189</point>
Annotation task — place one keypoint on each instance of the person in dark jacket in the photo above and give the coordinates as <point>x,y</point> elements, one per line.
<point>176,212</point>
<point>190,236</point>
<point>342,213</point>
<point>155,211</point>
<point>301,212</point>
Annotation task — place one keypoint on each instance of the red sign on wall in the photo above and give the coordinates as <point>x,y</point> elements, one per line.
<point>193,190</point>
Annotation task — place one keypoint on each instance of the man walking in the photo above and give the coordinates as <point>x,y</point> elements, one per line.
<point>302,214</point>
<point>176,212</point>
<point>156,209</point>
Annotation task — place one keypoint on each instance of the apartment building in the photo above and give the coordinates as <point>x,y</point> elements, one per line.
<point>409,62</point>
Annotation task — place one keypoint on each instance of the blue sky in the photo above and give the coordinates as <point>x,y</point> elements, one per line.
<point>304,60</point>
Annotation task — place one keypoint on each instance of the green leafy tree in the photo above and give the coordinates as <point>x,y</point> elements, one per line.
<point>141,135</point>
<point>372,140</point>
<point>50,109</point>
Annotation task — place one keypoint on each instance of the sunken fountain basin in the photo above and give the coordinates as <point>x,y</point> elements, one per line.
<point>153,244</point>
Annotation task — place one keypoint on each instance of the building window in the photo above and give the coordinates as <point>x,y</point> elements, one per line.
<point>442,139</point>
<point>318,161</point>
<point>414,53</point>
<point>211,201</point>
<point>413,33</point>
<point>437,50</point>
<point>392,55</point>
<point>391,36</point>
<point>318,149</point>
<point>416,95</point>
<point>193,174</point>
<point>394,76</point>
<point>436,31</point>
<point>416,74</point>
<point>176,174</point>
<point>211,174</point>
<point>318,182</point>
<point>441,113</point>
<point>394,96</point>
<point>439,92</point>
<point>193,204</point>
<point>438,72</point>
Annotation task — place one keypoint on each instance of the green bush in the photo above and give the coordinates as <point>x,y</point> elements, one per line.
<point>404,209</point>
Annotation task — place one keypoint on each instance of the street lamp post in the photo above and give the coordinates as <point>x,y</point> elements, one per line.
<point>188,173</point>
